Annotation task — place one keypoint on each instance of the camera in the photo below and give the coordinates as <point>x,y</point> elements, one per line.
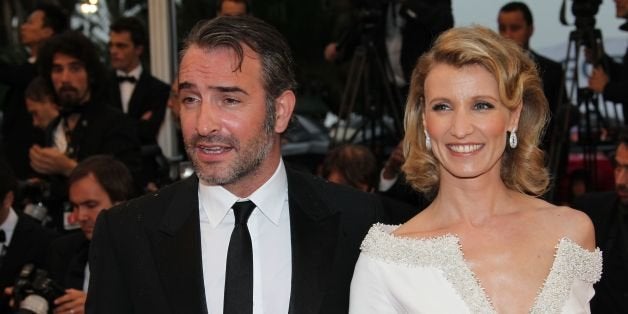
<point>585,11</point>
<point>34,291</point>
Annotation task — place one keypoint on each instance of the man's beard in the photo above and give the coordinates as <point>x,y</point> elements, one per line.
<point>247,160</point>
<point>69,98</point>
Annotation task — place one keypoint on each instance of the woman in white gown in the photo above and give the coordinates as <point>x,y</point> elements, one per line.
<point>486,244</point>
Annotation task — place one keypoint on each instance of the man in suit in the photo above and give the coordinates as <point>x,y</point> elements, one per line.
<point>609,213</point>
<point>18,132</point>
<point>96,184</point>
<point>86,126</point>
<point>611,81</point>
<point>136,92</point>
<point>184,249</point>
<point>22,239</point>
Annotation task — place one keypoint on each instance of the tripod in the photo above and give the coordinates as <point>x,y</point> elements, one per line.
<point>593,121</point>
<point>371,74</point>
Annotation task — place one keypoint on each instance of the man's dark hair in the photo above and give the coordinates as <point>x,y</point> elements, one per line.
<point>76,45</point>
<point>356,164</point>
<point>114,177</point>
<point>8,182</point>
<point>54,17</point>
<point>234,32</point>
<point>521,7</point>
<point>134,26</point>
<point>39,90</point>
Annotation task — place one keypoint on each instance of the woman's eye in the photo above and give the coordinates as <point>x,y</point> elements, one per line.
<point>440,107</point>
<point>483,106</point>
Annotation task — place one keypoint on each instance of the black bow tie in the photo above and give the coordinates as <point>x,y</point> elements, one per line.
<point>130,79</point>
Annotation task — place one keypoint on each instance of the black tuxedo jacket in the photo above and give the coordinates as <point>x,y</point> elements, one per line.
<point>29,244</point>
<point>611,292</point>
<point>66,260</point>
<point>146,257</point>
<point>149,94</point>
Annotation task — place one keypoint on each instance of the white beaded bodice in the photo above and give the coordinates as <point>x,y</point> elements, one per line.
<point>573,268</point>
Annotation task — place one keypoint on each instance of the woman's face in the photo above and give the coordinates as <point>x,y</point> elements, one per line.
<point>466,120</point>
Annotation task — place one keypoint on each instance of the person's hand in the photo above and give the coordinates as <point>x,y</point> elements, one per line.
<point>72,302</point>
<point>330,53</point>
<point>49,160</point>
<point>598,80</point>
<point>392,168</point>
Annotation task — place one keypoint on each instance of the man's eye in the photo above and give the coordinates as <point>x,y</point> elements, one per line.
<point>231,101</point>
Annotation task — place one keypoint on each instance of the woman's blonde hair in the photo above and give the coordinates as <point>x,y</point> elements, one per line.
<point>522,168</point>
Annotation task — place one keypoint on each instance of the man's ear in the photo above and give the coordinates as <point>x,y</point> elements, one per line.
<point>284,106</point>
<point>8,200</point>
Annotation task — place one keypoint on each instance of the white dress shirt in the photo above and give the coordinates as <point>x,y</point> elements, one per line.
<point>269,226</point>
<point>127,88</point>
<point>9,226</point>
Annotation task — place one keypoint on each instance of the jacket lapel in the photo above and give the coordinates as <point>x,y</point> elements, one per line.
<point>314,229</point>
<point>178,251</point>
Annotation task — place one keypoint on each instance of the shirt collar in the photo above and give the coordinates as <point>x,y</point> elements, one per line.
<point>134,73</point>
<point>9,225</point>
<point>269,198</point>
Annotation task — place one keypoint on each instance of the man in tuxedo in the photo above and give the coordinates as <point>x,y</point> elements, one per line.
<point>609,213</point>
<point>87,125</point>
<point>18,132</point>
<point>184,249</point>
<point>22,239</point>
<point>96,184</point>
<point>136,92</point>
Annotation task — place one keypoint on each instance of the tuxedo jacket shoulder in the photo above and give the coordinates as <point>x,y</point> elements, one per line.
<point>551,73</point>
<point>146,255</point>
<point>29,244</point>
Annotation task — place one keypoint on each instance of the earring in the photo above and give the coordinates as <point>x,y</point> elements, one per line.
<point>512,140</point>
<point>428,142</point>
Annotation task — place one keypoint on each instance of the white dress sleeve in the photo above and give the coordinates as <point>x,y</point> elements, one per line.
<point>369,292</point>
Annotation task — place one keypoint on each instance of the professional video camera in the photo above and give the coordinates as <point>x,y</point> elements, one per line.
<point>34,291</point>
<point>585,11</point>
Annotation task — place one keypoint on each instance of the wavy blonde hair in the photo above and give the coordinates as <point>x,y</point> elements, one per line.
<point>522,168</point>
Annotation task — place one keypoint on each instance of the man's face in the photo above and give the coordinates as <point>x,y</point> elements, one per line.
<point>621,8</point>
<point>69,79</point>
<point>43,112</point>
<point>621,173</point>
<point>124,54</point>
<point>229,135</point>
<point>33,30</point>
<point>88,199</point>
<point>513,26</point>
<point>232,8</point>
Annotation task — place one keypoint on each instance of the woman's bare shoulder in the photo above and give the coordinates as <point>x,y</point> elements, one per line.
<point>567,222</point>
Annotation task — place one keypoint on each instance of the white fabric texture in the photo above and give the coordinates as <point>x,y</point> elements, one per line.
<point>411,275</point>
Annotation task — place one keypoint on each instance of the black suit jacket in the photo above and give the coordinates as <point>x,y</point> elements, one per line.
<point>28,245</point>
<point>149,94</point>
<point>66,260</point>
<point>611,292</point>
<point>146,256</point>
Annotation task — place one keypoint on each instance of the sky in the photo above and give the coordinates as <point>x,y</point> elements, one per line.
<point>550,37</point>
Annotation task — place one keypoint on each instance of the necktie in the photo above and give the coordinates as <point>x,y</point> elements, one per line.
<point>239,274</point>
<point>130,79</point>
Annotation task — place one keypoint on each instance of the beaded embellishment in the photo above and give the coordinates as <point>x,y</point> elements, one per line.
<point>571,262</point>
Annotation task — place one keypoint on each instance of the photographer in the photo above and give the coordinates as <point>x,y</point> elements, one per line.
<point>611,81</point>
<point>22,239</point>
<point>402,31</point>
<point>96,184</point>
